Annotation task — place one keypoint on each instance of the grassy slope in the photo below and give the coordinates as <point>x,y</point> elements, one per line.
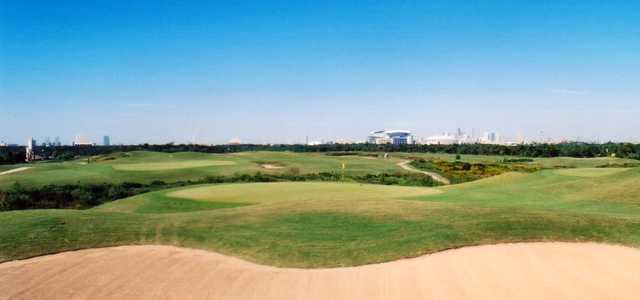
<point>441,164</point>
<point>553,162</point>
<point>145,167</point>
<point>332,224</point>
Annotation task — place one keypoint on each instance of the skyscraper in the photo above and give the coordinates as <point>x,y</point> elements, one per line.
<point>106,140</point>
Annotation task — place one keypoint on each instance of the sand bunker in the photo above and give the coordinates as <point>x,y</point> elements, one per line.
<point>271,166</point>
<point>522,271</point>
<point>15,170</point>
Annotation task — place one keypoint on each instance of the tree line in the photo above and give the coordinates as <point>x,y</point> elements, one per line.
<point>13,155</point>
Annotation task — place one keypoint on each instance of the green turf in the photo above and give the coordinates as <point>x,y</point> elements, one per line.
<point>145,167</point>
<point>7,167</point>
<point>337,224</point>
<point>554,162</point>
<point>161,203</point>
<point>174,165</point>
<point>590,172</point>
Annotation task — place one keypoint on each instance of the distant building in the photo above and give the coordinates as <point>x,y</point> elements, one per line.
<point>396,137</point>
<point>234,141</point>
<point>30,151</point>
<point>80,141</point>
<point>489,138</point>
<point>106,140</point>
<point>444,139</point>
<point>344,141</point>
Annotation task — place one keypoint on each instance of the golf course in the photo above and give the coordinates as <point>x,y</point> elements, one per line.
<point>324,224</point>
<point>146,166</point>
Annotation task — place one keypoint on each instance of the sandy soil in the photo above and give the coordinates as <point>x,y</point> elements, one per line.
<point>269,166</point>
<point>15,170</point>
<point>437,177</point>
<point>508,271</point>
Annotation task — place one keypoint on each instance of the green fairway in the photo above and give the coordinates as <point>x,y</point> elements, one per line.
<point>551,162</point>
<point>145,167</point>
<point>590,172</point>
<point>161,166</point>
<point>293,194</point>
<point>314,224</point>
<point>7,167</point>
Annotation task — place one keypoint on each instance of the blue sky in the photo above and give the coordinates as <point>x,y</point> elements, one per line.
<point>277,71</point>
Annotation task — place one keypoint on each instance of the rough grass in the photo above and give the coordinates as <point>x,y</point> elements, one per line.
<point>333,224</point>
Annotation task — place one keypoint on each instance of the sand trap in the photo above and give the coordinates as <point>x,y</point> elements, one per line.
<point>522,271</point>
<point>15,170</point>
<point>271,167</point>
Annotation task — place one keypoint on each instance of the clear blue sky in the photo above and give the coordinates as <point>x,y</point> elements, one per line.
<point>277,71</point>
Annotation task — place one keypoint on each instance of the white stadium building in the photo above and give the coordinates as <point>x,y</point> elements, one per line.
<point>396,137</point>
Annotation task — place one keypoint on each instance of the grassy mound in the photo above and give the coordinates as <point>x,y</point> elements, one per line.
<point>207,197</point>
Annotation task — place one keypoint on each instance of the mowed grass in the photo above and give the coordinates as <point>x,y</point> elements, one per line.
<point>145,167</point>
<point>209,197</point>
<point>315,224</point>
<point>159,166</point>
<point>8,167</point>
<point>590,172</point>
<point>298,191</point>
<point>549,163</point>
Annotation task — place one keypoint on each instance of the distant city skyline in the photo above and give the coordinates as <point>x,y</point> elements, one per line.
<point>277,72</point>
<point>458,135</point>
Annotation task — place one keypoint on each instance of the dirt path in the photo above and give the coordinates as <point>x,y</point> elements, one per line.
<point>508,271</point>
<point>437,177</point>
<point>15,170</point>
